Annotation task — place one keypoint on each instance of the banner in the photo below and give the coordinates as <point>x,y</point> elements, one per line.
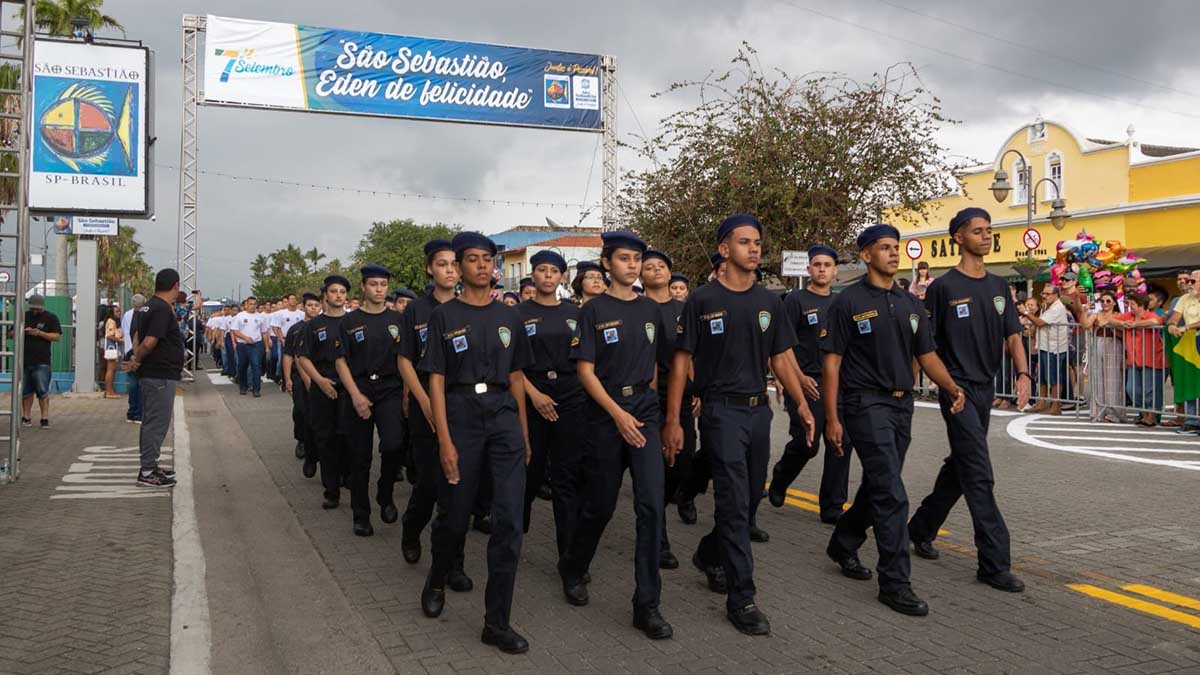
<point>89,119</point>
<point>93,225</point>
<point>278,65</point>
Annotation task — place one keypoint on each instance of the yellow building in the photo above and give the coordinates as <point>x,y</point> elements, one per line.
<point>1147,196</point>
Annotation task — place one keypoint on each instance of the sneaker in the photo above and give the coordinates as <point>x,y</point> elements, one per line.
<point>1180,430</point>
<point>169,473</point>
<point>156,479</point>
<point>44,424</point>
<point>26,422</point>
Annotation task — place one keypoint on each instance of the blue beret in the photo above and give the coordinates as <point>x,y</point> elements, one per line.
<point>621,239</point>
<point>716,259</point>
<point>735,221</point>
<point>403,292</point>
<point>391,297</point>
<point>513,295</point>
<point>876,232</point>
<point>822,249</point>
<point>548,257</point>
<point>588,266</point>
<point>963,217</point>
<point>336,279</point>
<point>680,277</point>
<point>652,253</point>
<point>465,240</point>
<point>434,245</point>
<point>309,295</point>
<point>527,281</point>
<point>374,272</point>
<point>428,288</point>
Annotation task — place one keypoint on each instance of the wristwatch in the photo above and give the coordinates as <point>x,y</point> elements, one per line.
<point>1026,374</point>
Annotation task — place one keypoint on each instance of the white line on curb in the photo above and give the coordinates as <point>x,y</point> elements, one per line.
<point>191,635</point>
<point>1019,429</point>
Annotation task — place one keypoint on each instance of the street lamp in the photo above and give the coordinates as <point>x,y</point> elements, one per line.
<point>1058,208</point>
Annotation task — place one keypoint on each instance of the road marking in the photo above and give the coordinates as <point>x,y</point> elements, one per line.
<point>1123,430</point>
<point>810,502</point>
<point>220,381</point>
<point>1137,604</point>
<point>1021,430</point>
<point>191,634</point>
<point>1165,596</point>
<point>996,412</point>
<point>1124,440</point>
<point>107,472</point>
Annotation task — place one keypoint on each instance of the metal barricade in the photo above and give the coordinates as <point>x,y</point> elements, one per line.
<point>1056,358</point>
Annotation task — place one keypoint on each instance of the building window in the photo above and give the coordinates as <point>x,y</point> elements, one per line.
<point>1054,171</point>
<point>1020,177</point>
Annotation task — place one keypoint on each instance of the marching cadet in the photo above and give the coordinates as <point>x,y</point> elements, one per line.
<point>874,330</point>
<point>730,331</point>
<point>403,297</point>
<point>441,268</point>
<point>616,354</point>
<point>368,366</point>
<point>527,288</point>
<point>299,390</point>
<point>806,311</point>
<point>556,424</point>
<point>476,349</point>
<point>390,301</point>
<point>679,286</point>
<point>973,319</point>
<point>511,298</point>
<point>656,275</point>
<point>589,281</point>
<point>318,354</point>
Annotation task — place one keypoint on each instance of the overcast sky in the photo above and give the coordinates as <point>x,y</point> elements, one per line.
<point>1096,66</point>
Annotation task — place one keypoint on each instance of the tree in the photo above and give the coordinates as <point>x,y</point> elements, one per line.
<point>814,158</point>
<point>55,16</point>
<point>399,246</point>
<point>288,270</point>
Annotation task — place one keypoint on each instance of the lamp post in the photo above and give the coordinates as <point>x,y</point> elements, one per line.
<point>1058,208</point>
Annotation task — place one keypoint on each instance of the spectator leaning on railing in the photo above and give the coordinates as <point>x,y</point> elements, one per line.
<point>1144,365</point>
<point>1104,361</point>
<point>1182,324</point>
<point>1053,341</point>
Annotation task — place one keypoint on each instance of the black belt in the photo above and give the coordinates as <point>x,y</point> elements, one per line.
<point>549,375</point>
<point>627,391</point>
<point>747,401</point>
<point>480,388</point>
<point>891,393</point>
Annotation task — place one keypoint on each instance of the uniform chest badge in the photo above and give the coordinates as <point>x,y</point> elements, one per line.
<point>531,329</point>
<point>764,321</point>
<point>914,321</point>
<point>716,326</point>
<point>394,330</point>
<point>611,337</point>
<point>813,319</point>
<point>650,332</point>
<point>460,344</point>
<point>571,324</point>
<point>359,336</point>
<point>505,336</point>
<point>321,335</point>
<point>999,303</point>
<point>864,327</point>
<point>963,310</point>
<point>423,333</point>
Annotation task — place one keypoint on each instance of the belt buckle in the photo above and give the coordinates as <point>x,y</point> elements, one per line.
<point>627,391</point>
<point>372,377</point>
<point>481,388</point>
<point>754,400</point>
<point>551,375</point>
<point>897,394</point>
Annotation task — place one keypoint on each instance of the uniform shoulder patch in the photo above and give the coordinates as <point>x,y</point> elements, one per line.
<point>505,336</point>
<point>650,332</point>
<point>914,321</point>
<point>764,320</point>
<point>999,302</point>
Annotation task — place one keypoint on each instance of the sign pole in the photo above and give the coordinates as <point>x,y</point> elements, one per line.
<point>193,26</point>
<point>85,315</point>
<point>608,204</point>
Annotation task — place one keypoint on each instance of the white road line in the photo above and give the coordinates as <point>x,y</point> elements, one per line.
<point>1018,429</point>
<point>220,380</point>
<point>191,634</point>
<point>1164,451</point>
<point>995,411</point>
<point>1082,437</point>
<point>1105,430</point>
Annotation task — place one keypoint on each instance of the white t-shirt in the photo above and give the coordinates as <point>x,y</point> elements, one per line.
<point>1056,336</point>
<point>126,321</point>
<point>249,324</point>
<point>284,319</point>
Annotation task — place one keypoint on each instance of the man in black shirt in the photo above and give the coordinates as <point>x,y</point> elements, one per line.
<point>973,319</point>
<point>292,345</point>
<point>158,361</point>
<point>806,311</point>
<point>616,356</point>
<point>475,352</point>
<point>319,349</point>
<point>730,331</point>
<point>368,366</point>
<point>42,328</point>
<point>874,331</point>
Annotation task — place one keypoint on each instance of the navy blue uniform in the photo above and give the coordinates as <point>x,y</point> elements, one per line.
<point>731,336</point>
<point>806,312</point>
<point>622,338</point>
<point>877,332</point>
<point>371,345</point>
<point>971,319</point>
<point>560,443</point>
<point>675,475</point>
<point>423,499</point>
<point>321,344</point>
<point>292,345</point>
<point>475,348</point>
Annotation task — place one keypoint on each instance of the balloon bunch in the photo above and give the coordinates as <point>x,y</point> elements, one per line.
<point>1096,265</point>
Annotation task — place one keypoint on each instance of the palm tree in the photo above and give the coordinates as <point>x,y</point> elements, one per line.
<point>55,16</point>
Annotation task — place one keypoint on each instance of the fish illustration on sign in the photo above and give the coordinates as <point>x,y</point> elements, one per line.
<point>82,126</point>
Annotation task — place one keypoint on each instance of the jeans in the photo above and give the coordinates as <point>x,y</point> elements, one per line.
<point>135,397</point>
<point>158,403</point>
<point>249,366</point>
<point>1144,386</point>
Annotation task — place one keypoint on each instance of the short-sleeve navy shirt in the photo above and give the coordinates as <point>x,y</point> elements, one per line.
<point>878,332</point>
<point>807,312</point>
<point>550,331</point>
<point>472,344</point>
<point>731,335</point>
<point>970,320</point>
<point>321,344</point>
<point>622,338</point>
<point>371,344</point>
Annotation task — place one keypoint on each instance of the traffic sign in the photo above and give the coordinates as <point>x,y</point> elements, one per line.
<point>914,249</point>
<point>795,264</point>
<point>1032,238</point>
<point>5,277</point>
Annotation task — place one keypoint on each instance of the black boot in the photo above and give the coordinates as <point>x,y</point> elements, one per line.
<point>650,621</point>
<point>433,600</point>
<point>506,640</point>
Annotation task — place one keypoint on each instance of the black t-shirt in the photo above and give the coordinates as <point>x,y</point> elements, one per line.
<point>321,343</point>
<point>731,335</point>
<point>37,349</point>
<point>671,311</point>
<point>470,344</point>
<point>623,338</point>
<point>416,322</point>
<point>806,312</point>
<point>371,344</point>
<point>158,321</point>
<point>550,331</point>
<point>293,344</point>
<point>877,332</point>
<point>970,318</point>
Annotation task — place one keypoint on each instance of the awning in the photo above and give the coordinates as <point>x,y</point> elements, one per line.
<point>848,274</point>
<point>1164,261</point>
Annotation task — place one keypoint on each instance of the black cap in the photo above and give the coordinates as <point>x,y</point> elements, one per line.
<point>465,240</point>
<point>434,245</point>
<point>822,249</point>
<point>652,253</point>
<point>735,221</point>
<point>588,266</point>
<point>309,295</point>
<point>680,277</point>
<point>391,297</point>
<point>403,292</point>
<point>876,232</point>
<point>964,216</point>
<point>526,281</point>
<point>622,239</point>
<point>374,271</point>
<point>716,259</point>
<point>548,257</point>
<point>513,294</point>
<point>335,279</point>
